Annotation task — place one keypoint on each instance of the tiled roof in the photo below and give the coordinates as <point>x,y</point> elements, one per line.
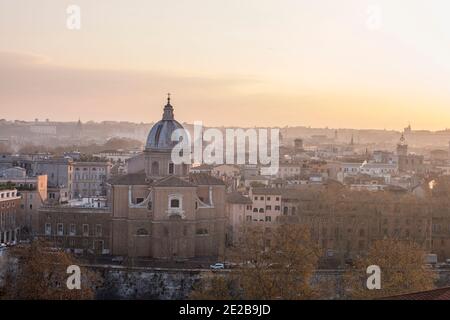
<point>436,294</point>
<point>238,198</point>
<point>173,181</point>
<point>267,191</point>
<point>130,179</point>
<point>204,179</point>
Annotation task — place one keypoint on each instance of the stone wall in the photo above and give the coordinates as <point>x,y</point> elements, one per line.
<point>163,284</point>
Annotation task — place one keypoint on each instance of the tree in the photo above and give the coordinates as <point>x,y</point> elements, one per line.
<point>214,288</point>
<point>402,270</point>
<point>276,262</point>
<point>35,272</point>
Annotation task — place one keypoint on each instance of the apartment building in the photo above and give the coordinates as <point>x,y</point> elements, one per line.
<point>9,204</point>
<point>89,179</point>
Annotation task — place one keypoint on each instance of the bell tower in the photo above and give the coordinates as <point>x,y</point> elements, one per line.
<point>402,147</point>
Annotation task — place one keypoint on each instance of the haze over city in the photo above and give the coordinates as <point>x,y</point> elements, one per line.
<point>359,64</point>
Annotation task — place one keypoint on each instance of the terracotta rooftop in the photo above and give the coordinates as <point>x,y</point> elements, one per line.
<point>204,179</point>
<point>173,181</point>
<point>130,179</point>
<point>238,198</point>
<point>267,191</point>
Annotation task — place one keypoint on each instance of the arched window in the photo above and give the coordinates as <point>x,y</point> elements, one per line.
<point>155,168</point>
<point>261,210</point>
<point>255,209</point>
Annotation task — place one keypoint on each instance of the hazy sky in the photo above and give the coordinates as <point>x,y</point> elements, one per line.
<point>346,63</point>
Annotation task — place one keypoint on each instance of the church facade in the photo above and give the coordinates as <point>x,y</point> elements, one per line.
<point>159,210</point>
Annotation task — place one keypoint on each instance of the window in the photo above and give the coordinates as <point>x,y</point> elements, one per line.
<point>255,209</point>
<point>175,203</point>
<point>72,230</point>
<point>248,218</point>
<point>202,231</point>
<point>261,210</point>
<point>268,198</point>
<point>139,200</point>
<point>98,230</point>
<point>142,232</point>
<point>268,208</point>
<point>48,229</point>
<point>268,219</point>
<point>171,168</point>
<point>277,208</point>
<point>85,230</point>
<point>60,229</point>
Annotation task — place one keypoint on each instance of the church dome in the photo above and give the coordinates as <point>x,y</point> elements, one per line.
<point>160,136</point>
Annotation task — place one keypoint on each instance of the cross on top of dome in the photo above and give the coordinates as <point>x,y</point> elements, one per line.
<point>168,110</point>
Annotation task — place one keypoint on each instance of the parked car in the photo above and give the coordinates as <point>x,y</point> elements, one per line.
<point>217,266</point>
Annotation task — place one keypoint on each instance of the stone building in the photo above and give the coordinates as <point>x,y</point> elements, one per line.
<point>239,212</point>
<point>9,224</point>
<point>344,223</point>
<point>89,178</point>
<point>33,194</point>
<point>59,172</point>
<point>82,229</point>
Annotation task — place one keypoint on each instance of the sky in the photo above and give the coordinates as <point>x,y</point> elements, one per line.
<point>341,64</point>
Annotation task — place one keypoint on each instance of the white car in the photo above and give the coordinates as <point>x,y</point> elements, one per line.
<point>217,266</point>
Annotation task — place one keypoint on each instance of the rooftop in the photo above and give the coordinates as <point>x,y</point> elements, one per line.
<point>203,179</point>
<point>130,179</point>
<point>173,181</point>
<point>238,198</point>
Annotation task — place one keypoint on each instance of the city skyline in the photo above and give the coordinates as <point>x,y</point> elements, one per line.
<point>361,64</point>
